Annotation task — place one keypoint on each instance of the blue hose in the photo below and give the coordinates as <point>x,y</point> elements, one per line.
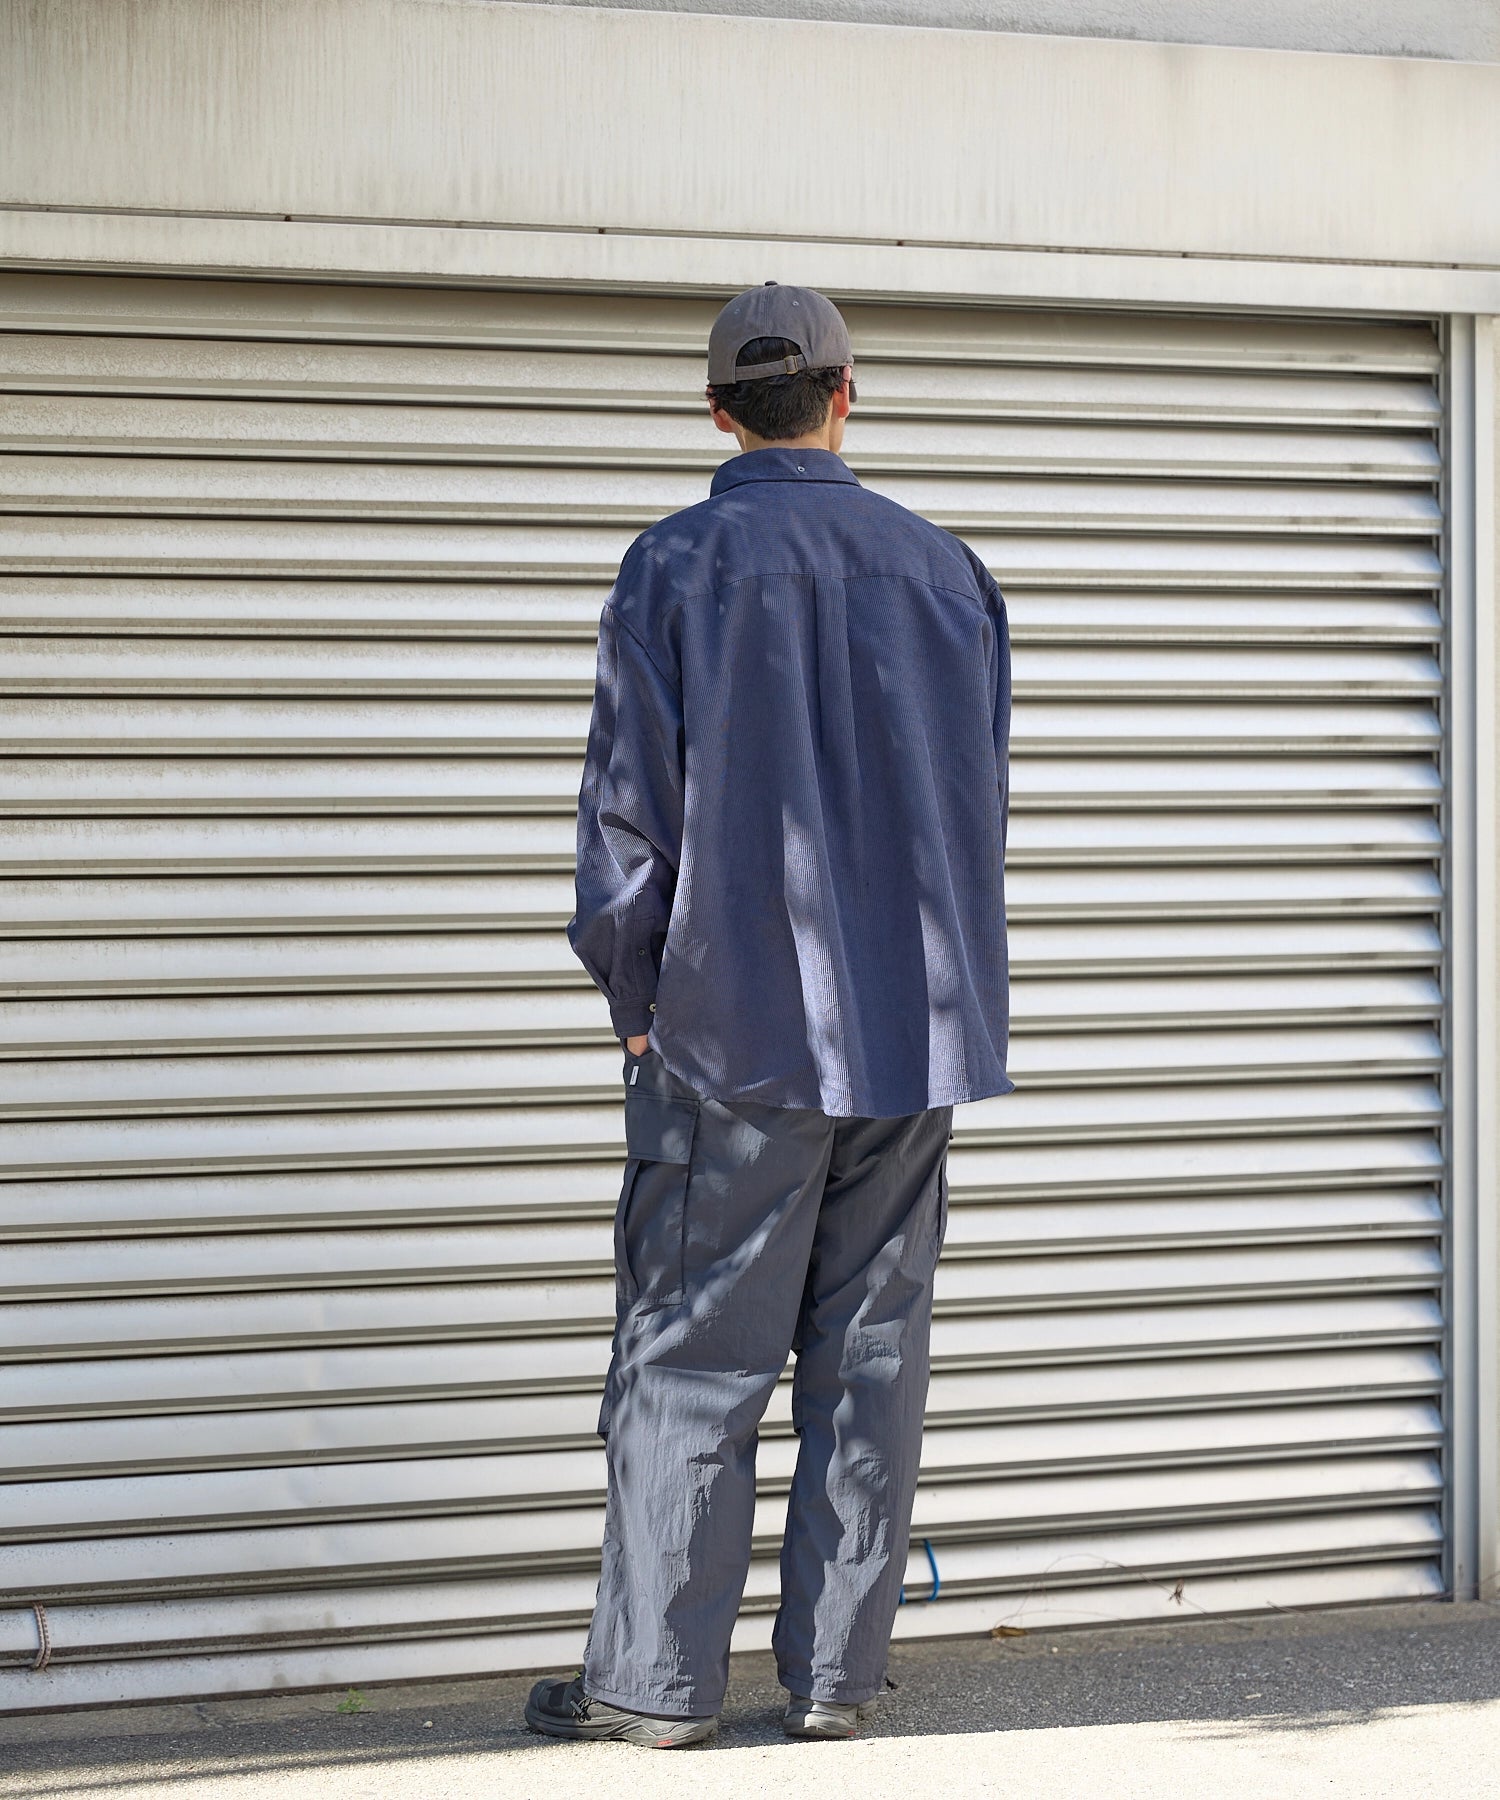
<point>937,1580</point>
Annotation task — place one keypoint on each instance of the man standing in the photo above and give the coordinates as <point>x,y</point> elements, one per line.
<point>791,839</point>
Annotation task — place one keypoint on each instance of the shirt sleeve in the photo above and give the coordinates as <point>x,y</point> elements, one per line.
<point>629,827</point>
<point>994,603</point>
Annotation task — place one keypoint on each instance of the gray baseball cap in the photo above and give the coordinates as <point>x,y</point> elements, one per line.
<point>803,316</point>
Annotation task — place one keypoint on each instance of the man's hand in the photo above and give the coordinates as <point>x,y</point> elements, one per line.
<point>637,1046</point>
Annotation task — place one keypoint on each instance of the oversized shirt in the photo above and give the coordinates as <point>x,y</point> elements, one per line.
<point>791,831</point>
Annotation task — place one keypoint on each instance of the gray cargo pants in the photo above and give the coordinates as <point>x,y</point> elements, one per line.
<point>743,1232</point>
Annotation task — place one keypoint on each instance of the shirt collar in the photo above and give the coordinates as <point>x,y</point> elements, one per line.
<point>777,464</point>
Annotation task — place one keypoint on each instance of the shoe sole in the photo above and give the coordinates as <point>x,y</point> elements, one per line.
<point>653,1735</point>
<point>830,1729</point>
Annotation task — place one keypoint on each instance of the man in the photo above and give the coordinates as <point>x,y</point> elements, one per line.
<point>790,846</point>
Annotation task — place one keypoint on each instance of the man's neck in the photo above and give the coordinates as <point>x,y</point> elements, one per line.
<point>811,440</point>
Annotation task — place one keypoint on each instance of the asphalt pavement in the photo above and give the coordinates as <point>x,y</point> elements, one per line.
<point>1370,1703</point>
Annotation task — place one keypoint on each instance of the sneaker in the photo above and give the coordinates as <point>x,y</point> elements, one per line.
<point>561,1709</point>
<point>824,1718</point>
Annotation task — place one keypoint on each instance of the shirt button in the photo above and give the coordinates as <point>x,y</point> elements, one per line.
<point>651,1007</point>
<point>800,469</point>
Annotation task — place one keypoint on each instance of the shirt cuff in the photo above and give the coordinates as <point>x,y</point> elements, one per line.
<point>632,1018</point>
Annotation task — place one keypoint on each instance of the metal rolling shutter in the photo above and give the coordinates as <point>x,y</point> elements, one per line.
<point>309,1131</point>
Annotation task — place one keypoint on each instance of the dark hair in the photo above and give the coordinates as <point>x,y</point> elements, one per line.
<point>777,406</point>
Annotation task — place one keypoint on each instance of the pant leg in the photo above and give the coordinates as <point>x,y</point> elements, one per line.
<point>712,1255</point>
<point>858,1399</point>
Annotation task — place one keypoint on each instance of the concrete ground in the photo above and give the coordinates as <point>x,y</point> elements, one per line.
<point>1363,1704</point>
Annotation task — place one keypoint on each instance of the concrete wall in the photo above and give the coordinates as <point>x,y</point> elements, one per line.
<point>499,115</point>
<point>1456,30</point>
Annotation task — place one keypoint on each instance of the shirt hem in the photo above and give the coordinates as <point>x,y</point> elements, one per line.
<point>846,1109</point>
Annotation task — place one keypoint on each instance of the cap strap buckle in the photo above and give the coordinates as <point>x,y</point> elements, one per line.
<point>783,365</point>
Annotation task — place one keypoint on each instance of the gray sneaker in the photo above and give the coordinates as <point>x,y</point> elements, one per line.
<point>824,1718</point>
<point>561,1709</point>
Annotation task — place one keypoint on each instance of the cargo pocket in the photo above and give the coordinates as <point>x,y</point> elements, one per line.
<point>625,1289</point>
<point>650,1221</point>
<point>624,1299</point>
<point>942,1211</point>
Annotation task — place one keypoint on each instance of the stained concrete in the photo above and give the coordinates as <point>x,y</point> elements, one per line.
<point>1453,30</point>
<point>1387,1703</point>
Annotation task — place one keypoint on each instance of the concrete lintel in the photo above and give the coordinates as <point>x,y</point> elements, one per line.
<point>449,255</point>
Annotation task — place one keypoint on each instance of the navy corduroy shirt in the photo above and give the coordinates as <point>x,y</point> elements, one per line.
<point>791,831</point>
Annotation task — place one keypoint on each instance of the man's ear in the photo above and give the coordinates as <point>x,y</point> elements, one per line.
<point>721,418</point>
<point>843,399</point>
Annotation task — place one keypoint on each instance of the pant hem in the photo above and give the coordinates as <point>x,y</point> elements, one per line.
<point>831,1693</point>
<point>675,1708</point>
